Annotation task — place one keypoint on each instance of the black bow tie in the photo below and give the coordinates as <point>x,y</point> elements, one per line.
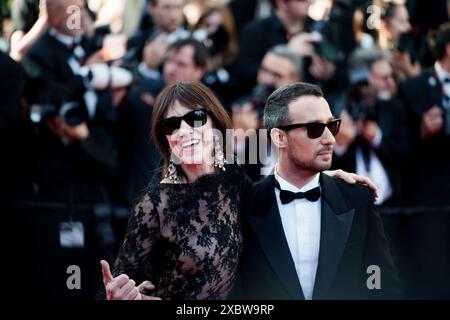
<point>288,196</point>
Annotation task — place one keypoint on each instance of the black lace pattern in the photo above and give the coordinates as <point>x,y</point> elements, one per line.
<point>186,237</point>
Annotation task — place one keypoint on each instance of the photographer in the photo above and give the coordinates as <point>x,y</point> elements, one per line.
<point>73,140</point>
<point>426,98</point>
<point>373,138</point>
<point>72,155</point>
<point>161,18</point>
<point>280,66</point>
<point>288,23</point>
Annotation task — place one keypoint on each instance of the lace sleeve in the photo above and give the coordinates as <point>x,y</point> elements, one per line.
<point>142,233</point>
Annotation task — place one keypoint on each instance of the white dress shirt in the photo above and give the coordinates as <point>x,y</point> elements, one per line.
<point>442,75</point>
<point>90,97</point>
<point>301,224</point>
<point>376,172</point>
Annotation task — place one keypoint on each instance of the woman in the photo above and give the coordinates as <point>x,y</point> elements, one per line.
<point>185,234</point>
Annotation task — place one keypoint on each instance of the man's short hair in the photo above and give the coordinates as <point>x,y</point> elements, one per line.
<point>283,51</point>
<point>201,54</point>
<point>440,39</point>
<point>361,61</point>
<point>276,112</point>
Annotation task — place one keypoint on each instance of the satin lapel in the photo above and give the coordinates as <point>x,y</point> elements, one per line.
<point>336,222</point>
<point>268,228</point>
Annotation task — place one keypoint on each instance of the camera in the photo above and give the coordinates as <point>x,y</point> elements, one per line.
<point>325,47</point>
<point>362,111</point>
<point>361,102</point>
<point>336,44</point>
<point>72,112</point>
<point>259,96</point>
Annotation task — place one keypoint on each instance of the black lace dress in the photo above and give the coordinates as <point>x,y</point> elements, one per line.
<point>186,237</point>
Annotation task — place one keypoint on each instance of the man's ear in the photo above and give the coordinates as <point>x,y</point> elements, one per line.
<point>447,49</point>
<point>199,73</point>
<point>279,138</point>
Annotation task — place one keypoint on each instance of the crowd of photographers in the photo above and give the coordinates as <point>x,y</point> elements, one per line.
<point>80,77</point>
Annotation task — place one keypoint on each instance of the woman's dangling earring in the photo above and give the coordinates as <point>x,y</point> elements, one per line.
<point>219,159</point>
<point>172,173</point>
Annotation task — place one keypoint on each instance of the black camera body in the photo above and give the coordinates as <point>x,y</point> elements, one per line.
<point>362,111</point>
<point>259,96</point>
<point>72,112</point>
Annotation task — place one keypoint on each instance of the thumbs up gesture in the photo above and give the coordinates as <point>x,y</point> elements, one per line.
<point>122,287</point>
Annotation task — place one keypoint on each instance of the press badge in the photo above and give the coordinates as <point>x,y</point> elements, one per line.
<point>71,235</point>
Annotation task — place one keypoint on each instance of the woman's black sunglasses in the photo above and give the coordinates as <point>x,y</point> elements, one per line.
<point>315,129</point>
<point>195,118</point>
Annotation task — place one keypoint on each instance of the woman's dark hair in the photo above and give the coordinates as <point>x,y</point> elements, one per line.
<point>193,95</point>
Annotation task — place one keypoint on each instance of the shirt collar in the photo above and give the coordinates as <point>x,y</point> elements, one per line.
<point>285,185</point>
<point>68,41</point>
<point>440,72</point>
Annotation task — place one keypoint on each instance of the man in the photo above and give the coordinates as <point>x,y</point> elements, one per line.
<point>307,235</point>
<point>374,138</point>
<point>75,144</point>
<point>427,103</point>
<point>166,18</point>
<point>280,66</point>
<point>290,18</point>
<point>72,156</point>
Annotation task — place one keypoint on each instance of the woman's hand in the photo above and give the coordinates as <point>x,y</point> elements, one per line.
<point>144,287</point>
<point>122,287</point>
<point>353,178</point>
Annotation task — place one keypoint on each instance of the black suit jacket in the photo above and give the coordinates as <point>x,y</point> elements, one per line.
<point>139,156</point>
<point>352,239</point>
<point>88,166</point>
<point>430,182</point>
<point>394,150</point>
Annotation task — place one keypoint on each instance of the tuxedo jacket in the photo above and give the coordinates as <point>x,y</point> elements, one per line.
<point>56,168</point>
<point>394,149</point>
<point>428,177</point>
<point>351,240</point>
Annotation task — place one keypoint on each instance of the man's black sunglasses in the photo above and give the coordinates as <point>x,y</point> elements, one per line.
<point>315,129</point>
<point>195,118</point>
